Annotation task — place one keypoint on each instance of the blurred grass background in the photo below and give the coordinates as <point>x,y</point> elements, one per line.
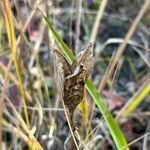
<point>31,111</point>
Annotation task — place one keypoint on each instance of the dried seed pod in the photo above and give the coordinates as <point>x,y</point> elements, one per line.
<point>73,77</point>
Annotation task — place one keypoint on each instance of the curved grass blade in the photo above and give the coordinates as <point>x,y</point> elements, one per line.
<point>135,100</point>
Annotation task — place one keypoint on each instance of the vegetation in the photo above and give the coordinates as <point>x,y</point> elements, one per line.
<point>33,114</point>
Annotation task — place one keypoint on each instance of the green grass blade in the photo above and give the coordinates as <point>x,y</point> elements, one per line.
<point>65,49</point>
<point>114,129</point>
<point>111,123</point>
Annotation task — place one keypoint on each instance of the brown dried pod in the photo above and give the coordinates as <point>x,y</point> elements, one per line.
<point>73,77</point>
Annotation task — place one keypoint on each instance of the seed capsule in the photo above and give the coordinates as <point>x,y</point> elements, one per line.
<point>73,77</point>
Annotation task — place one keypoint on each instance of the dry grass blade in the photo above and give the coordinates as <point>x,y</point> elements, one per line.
<point>16,130</point>
<point>32,140</point>
<point>1,118</point>
<point>96,25</point>
<point>70,127</point>
<point>122,47</point>
<point>12,42</point>
<point>135,100</point>
<point>134,141</point>
<point>13,78</point>
<point>2,105</point>
<point>120,40</point>
<point>142,56</point>
<point>78,23</point>
<point>35,7</point>
<point>2,66</point>
<point>146,138</point>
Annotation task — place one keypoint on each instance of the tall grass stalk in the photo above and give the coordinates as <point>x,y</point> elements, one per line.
<point>12,42</point>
